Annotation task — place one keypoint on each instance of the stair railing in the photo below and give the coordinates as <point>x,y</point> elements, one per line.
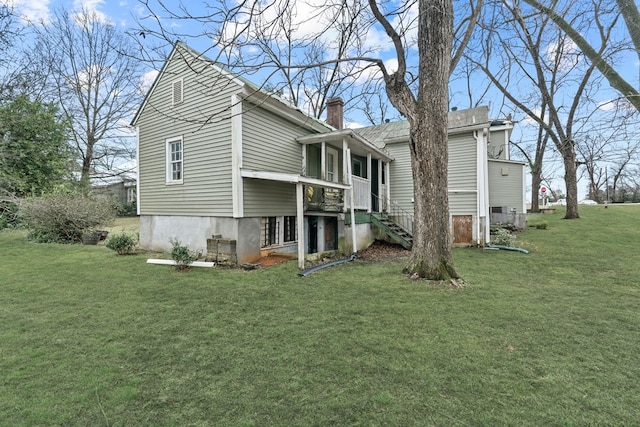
<point>401,217</point>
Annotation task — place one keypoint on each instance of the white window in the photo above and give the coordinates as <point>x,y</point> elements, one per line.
<point>177,94</point>
<point>174,160</point>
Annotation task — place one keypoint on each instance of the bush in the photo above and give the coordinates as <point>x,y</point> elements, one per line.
<point>127,209</point>
<point>64,218</point>
<point>182,255</point>
<point>123,244</point>
<point>502,237</point>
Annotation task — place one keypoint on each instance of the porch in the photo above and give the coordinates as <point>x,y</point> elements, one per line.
<point>344,157</point>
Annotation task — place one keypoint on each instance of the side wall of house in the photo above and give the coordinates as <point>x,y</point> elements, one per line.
<point>203,121</point>
<point>506,191</point>
<point>498,144</point>
<point>462,175</point>
<point>269,144</point>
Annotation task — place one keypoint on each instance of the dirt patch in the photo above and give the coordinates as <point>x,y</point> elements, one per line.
<point>270,260</point>
<point>384,251</point>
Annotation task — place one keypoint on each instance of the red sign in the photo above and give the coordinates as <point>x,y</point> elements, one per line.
<point>543,189</point>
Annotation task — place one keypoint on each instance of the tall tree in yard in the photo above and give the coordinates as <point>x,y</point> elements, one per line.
<point>34,155</point>
<point>422,38</point>
<point>426,112</point>
<point>599,14</point>
<point>94,77</point>
<point>540,71</point>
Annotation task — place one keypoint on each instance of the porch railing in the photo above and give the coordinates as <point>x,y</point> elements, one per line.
<point>401,217</point>
<point>361,193</point>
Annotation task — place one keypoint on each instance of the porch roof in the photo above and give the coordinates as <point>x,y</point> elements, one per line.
<point>353,139</point>
<point>292,179</point>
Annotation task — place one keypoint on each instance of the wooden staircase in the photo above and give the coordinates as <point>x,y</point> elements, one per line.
<point>392,229</point>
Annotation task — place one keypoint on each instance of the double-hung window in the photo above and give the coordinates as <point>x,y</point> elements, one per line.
<point>174,160</point>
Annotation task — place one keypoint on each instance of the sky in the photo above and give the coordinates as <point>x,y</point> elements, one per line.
<point>124,14</point>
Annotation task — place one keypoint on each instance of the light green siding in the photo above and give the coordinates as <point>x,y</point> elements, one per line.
<point>269,144</point>
<point>268,198</point>
<point>505,184</point>
<point>401,176</point>
<point>497,146</point>
<point>203,120</point>
<point>462,173</point>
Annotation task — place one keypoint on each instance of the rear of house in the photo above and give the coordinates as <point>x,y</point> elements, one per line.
<point>227,167</point>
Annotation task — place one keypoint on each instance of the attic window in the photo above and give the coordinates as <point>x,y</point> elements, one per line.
<point>176,92</point>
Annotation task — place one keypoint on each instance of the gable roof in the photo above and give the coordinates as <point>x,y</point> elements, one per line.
<point>247,90</point>
<point>458,122</point>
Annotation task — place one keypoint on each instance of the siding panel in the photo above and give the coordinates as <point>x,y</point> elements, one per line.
<point>269,198</point>
<point>203,120</point>
<point>462,170</point>
<point>506,190</point>
<point>269,144</point>
<point>269,141</point>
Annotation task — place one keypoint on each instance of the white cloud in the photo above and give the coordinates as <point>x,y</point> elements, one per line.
<point>91,6</point>
<point>618,104</point>
<point>31,10</point>
<point>566,50</point>
<point>147,80</point>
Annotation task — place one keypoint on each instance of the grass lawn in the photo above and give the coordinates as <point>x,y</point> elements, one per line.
<point>89,338</point>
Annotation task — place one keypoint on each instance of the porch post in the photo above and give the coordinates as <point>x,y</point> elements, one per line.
<point>346,157</point>
<point>381,196</point>
<point>323,160</point>
<point>369,175</point>
<point>388,181</point>
<point>303,167</point>
<point>354,242</point>
<point>346,168</point>
<point>300,223</point>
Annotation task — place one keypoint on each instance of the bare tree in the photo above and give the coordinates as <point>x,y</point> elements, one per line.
<point>562,17</point>
<point>534,155</point>
<point>540,72</point>
<point>421,34</point>
<point>93,75</point>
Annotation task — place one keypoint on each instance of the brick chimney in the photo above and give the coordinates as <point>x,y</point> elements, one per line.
<point>335,108</point>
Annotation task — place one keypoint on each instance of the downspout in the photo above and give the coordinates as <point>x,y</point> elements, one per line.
<point>487,214</point>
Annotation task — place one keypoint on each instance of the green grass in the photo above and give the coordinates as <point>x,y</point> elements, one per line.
<point>550,338</point>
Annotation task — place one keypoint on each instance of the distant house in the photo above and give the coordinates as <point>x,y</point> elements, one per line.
<point>220,157</point>
<point>121,188</point>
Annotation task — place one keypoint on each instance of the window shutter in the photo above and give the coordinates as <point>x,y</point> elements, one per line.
<point>177,93</point>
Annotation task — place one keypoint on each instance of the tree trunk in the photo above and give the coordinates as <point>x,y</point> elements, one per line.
<point>431,254</point>
<point>536,181</point>
<point>571,180</point>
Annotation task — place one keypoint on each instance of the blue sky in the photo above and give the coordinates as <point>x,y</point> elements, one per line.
<point>124,13</point>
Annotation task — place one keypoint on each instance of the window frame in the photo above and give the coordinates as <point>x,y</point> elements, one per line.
<point>169,175</point>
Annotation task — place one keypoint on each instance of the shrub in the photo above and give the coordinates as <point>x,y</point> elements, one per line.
<point>64,217</point>
<point>127,209</point>
<point>182,255</point>
<point>502,237</point>
<point>122,243</point>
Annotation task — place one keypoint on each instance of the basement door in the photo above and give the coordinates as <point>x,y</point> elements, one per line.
<point>330,233</point>
<point>462,229</point>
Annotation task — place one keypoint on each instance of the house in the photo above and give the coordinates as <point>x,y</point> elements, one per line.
<point>223,162</point>
<point>121,188</point>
